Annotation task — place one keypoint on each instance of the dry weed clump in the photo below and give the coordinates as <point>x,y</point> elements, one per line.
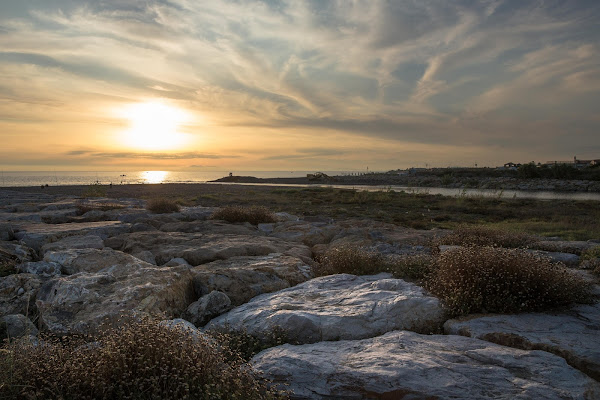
<point>254,214</point>
<point>496,280</point>
<point>484,236</point>
<point>137,360</point>
<point>162,206</point>
<point>237,343</point>
<point>358,260</point>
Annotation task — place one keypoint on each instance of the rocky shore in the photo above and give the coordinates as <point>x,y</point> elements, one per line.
<point>389,179</point>
<point>78,262</point>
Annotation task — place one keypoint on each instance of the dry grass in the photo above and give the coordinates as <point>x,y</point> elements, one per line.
<point>254,214</point>
<point>591,253</point>
<point>162,206</point>
<point>137,360</point>
<point>496,280</point>
<point>361,261</point>
<point>238,344</point>
<point>483,236</point>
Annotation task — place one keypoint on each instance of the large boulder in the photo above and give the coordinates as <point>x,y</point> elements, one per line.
<point>407,365</point>
<point>572,335</point>
<point>242,278</point>
<point>74,242</point>
<point>207,307</point>
<point>82,301</point>
<point>36,235</point>
<point>42,268</point>
<point>15,326</point>
<point>18,293</point>
<point>304,232</point>
<point>338,307</point>
<point>89,260</point>
<point>6,232</point>
<point>201,248</point>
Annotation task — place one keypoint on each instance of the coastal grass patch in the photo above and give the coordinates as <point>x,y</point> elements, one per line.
<point>253,214</point>
<point>141,359</point>
<point>358,260</point>
<point>481,279</point>
<point>469,235</point>
<point>94,190</point>
<point>162,206</point>
<point>568,219</point>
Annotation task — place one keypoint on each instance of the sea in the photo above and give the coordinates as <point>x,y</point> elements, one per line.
<point>65,178</point>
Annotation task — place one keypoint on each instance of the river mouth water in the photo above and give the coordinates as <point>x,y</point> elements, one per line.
<point>451,192</point>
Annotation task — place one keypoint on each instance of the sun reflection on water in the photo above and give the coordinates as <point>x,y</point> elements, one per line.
<point>154,176</point>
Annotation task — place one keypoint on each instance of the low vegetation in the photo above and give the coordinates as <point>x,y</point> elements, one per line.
<point>238,344</point>
<point>84,207</point>
<point>136,360</point>
<point>8,263</point>
<point>495,280</point>
<point>568,219</point>
<point>485,236</point>
<point>162,206</point>
<point>361,261</point>
<point>253,214</point>
<point>94,190</point>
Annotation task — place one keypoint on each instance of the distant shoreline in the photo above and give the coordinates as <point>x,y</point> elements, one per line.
<point>386,179</point>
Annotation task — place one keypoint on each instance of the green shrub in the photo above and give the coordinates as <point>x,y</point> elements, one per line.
<point>162,206</point>
<point>357,260</point>
<point>137,360</point>
<point>254,214</point>
<point>496,280</point>
<point>483,236</point>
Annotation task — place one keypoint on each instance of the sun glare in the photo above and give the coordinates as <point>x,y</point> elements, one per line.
<point>154,126</point>
<point>154,176</point>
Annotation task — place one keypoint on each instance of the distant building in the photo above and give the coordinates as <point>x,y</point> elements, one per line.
<point>511,165</point>
<point>575,163</point>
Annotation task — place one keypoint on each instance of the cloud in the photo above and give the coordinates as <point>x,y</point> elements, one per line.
<point>152,156</point>
<point>477,72</point>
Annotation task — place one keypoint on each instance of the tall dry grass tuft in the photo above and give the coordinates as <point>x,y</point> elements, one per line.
<point>137,360</point>
<point>483,236</point>
<point>254,214</point>
<point>162,206</point>
<point>496,280</point>
<point>358,260</point>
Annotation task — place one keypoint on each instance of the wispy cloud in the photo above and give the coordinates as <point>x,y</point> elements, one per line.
<point>146,155</point>
<point>421,72</point>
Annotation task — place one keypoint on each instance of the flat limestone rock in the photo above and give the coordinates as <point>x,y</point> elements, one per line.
<point>201,248</point>
<point>572,335</point>
<point>79,302</point>
<point>407,365</point>
<point>242,278</point>
<point>36,235</point>
<point>74,242</point>
<point>91,260</point>
<point>338,307</point>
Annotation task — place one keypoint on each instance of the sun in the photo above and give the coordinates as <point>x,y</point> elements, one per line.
<point>154,125</point>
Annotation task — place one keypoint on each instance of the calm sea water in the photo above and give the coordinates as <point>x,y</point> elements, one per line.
<point>62,178</point>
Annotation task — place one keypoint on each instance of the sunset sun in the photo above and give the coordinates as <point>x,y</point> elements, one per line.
<point>154,125</point>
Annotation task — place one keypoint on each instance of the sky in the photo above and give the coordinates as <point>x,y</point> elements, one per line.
<point>296,85</point>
